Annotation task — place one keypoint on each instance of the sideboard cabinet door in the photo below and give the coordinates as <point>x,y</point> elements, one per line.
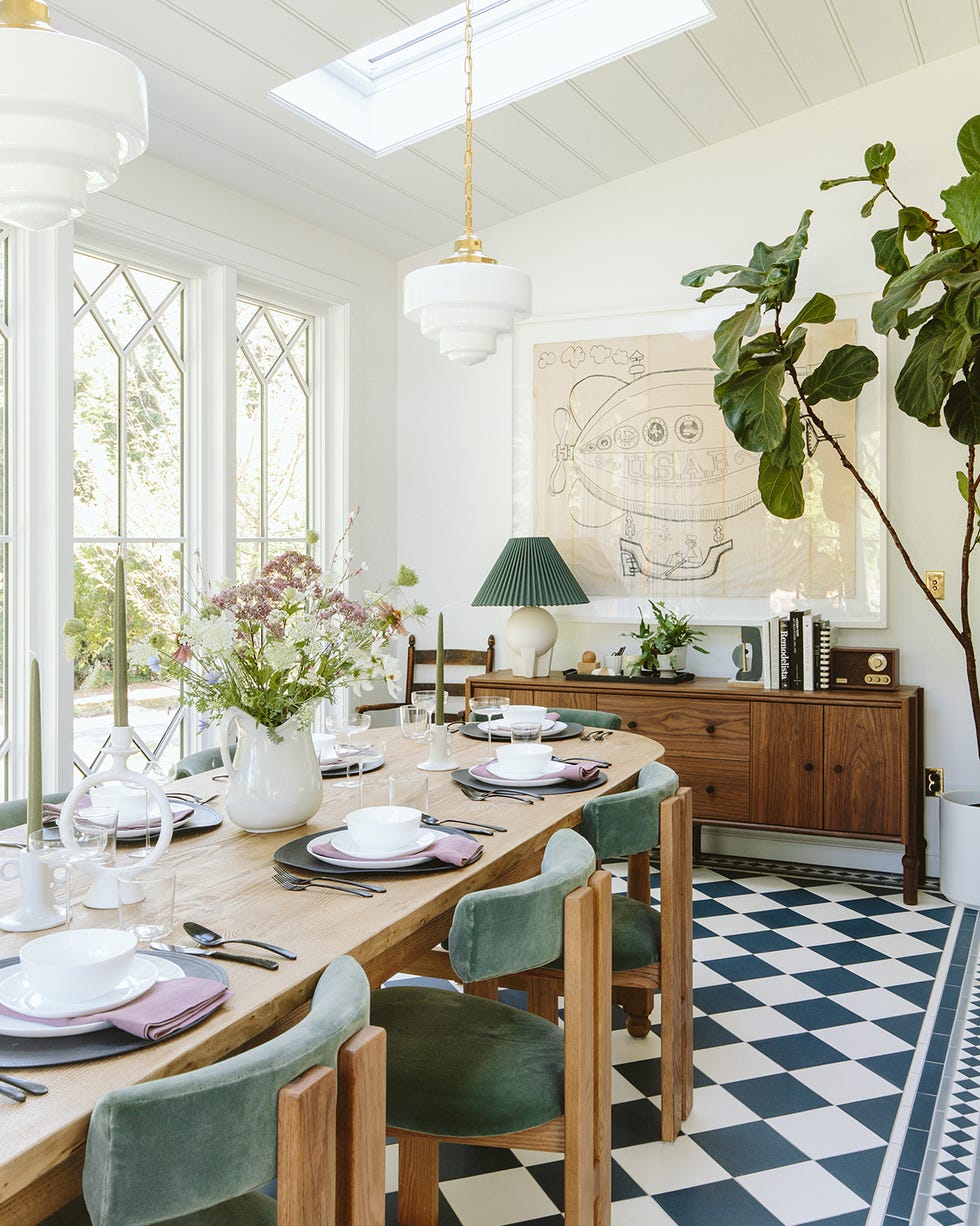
<point>787,765</point>
<point>865,772</point>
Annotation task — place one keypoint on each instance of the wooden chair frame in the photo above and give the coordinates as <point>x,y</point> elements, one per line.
<point>426,657</point>
<point>582,1133</point>
<point>331,1139</point>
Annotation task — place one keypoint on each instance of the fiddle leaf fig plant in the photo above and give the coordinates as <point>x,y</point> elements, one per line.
<point>932,294</point>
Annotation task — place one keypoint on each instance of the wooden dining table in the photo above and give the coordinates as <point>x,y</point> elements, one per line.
<point>224,880</point>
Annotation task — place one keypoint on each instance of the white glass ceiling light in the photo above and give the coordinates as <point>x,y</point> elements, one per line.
<point>71,112</point>
<point>467,300</point>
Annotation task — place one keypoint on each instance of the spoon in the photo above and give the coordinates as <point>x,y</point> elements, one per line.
<point>29,1087</point>
<point>210,939</point>
<point>429,820</point>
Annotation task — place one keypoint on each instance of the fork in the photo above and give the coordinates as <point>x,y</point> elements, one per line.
<point>477,794</point>
<point>361,885</point>
<point>292,884</point>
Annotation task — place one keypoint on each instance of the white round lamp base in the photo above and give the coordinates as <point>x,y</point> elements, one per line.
<point>531,633</point>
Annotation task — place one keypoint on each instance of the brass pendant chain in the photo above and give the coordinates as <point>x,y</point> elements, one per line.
<point>468,96</point>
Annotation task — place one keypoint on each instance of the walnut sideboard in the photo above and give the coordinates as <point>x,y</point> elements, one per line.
<point>837,763</point>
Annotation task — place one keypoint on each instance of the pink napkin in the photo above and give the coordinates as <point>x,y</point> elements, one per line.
<point>168,1007</point>
<point>453,849</point>
<point>574,772</point>
<point>126,825</point>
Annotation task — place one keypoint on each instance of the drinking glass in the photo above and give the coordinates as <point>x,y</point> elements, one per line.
<point>527,733</point>
<point>61,858</point>
<point>146,901</point>
<point>489,705</point>
<point>356,758</point>
<point>425,696</point>
<point>356,721</point>
<point>94,831</point>
<point>413,722</point>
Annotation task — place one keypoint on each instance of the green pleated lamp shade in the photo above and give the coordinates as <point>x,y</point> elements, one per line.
<point>530,571</point>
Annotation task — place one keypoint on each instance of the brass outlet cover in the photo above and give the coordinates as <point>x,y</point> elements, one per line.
<point>936,583</point>
<point>935,780</point>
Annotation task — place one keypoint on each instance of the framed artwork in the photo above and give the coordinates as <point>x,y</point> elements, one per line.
<point>623,458</point>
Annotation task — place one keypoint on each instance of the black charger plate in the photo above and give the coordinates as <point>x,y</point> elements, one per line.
<point>479,733</point>
<point>542,789</point>
<point>295,855</point>
<point>42,1053</point>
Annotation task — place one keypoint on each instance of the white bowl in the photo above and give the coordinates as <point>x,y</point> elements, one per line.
<point>325,744</point>
<point>525,715</point>
<point>76,966</point>
<point>384,829</point>
<point>524,760</point>
<point>130,801</point>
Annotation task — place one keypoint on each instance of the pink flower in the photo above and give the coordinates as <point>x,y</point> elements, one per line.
<point>183,653</point>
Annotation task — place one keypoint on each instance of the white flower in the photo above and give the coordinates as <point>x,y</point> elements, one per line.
<point>392,674</point>
<point>280,654</point>
<point>140,653</point>
<point>212,635</point>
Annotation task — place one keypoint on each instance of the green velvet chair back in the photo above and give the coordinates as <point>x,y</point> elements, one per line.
<point>174,1147</point>
<point>591,719</point>
<point>14,812</point>
<point>514,928</point>
<point>617,826</point>
<point>195,763</point>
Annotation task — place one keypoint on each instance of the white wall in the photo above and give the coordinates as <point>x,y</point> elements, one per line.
<point>623,248</point>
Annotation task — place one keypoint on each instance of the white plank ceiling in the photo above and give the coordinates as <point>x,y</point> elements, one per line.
<point>209,65</point>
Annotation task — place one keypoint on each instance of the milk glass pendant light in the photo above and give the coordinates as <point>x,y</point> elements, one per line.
<point>467,300</point>
<point>71,112</point>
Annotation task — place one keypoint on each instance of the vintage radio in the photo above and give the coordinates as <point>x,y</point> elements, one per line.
<point>863,668</point>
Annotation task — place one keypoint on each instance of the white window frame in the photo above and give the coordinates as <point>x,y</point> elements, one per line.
<point>41,416</point>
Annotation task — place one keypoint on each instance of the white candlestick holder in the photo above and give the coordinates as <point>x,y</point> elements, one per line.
<point>104,891</point>
<point>439,759</point>
<point>40,889</point>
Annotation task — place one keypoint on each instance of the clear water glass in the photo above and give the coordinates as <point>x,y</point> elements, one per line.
<point>146,901</point>
<point>413,722</point>
<point>525,733</point>
<point>489,705</point>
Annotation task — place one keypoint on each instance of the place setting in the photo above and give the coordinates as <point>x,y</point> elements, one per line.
<point>388,831</point>
<point>500,716</point>
<point>528,768</point>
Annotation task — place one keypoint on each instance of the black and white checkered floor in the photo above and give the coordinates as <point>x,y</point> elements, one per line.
<point>837,1070</point>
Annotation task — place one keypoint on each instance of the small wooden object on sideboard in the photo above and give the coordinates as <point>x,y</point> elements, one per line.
<point>827,762</point>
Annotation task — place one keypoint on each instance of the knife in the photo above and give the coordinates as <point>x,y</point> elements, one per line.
<point>196,952</point>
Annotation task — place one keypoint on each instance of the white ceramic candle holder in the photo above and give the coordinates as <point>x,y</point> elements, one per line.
<point>39,889</point>
<point>439,758</point>
<point>104,891</point>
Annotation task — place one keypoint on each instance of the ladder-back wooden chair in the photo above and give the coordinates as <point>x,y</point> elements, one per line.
<point>479,660</point>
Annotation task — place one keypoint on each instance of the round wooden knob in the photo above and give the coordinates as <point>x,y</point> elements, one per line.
<point>808,766</point>
<point>631,723</point>
<point>710,789</point>
<point>709,728</point>
<point>838,768</point>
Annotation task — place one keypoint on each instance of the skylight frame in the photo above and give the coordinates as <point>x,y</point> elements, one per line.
<point>419,93</point>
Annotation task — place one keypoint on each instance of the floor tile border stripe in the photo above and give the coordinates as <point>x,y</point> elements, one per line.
<point>893,1153</point>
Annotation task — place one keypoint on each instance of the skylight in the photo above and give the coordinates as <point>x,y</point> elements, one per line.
<point>408,86</point>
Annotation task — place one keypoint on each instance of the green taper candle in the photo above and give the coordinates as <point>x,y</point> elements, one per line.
<point>34,754</point>
<point>120,663</point>
<point>440,665</point>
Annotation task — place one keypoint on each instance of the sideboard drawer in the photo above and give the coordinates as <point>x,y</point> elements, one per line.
<point>712,728</point>
<point>719,788</point>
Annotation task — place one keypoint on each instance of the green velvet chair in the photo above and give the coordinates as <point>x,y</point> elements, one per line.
<point>591,719</point>
<point>14,812</point>
<point>651,947</point>
<point>196,763</point>
<point>194,1148</point>
<point>473,1070</point>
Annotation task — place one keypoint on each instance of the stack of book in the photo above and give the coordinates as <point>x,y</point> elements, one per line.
<point>796,651</point>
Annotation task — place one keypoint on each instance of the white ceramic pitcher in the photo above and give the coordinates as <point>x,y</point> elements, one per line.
<point>274,783</point>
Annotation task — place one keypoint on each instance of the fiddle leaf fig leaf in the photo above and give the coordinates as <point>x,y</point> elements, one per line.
<point>962,413</point>
<point>781,469</point>
<point>868,207</point>
<point>923,382</point>
<point>963,485</point>
<point>752,407</point>
<point>890,255</point>
<point>821,309</point>
<point>766,258</point>
<point>963,303</point>
<point>878,160</point>
<point>729,333</point>
<point>963,207</point>
<point>841,375</point>
<point>698,277</point>
<point>904,290</point>
<point>968,144</point>
<point>914,222</point>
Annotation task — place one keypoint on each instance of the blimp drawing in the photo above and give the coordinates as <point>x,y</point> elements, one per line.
<point>654,452</point>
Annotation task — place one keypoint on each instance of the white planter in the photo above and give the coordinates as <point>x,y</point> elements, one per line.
<point>959,846</point>
<point>672,662</point>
